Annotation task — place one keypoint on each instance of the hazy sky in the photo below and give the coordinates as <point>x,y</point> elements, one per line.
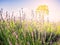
<point>26,3</point>
<point>54,6</point>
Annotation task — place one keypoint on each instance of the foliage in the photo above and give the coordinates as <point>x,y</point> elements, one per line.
<point>16,34</point>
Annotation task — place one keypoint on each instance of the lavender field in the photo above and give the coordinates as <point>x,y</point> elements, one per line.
<point>20,31</point>
<point>29,22</point>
